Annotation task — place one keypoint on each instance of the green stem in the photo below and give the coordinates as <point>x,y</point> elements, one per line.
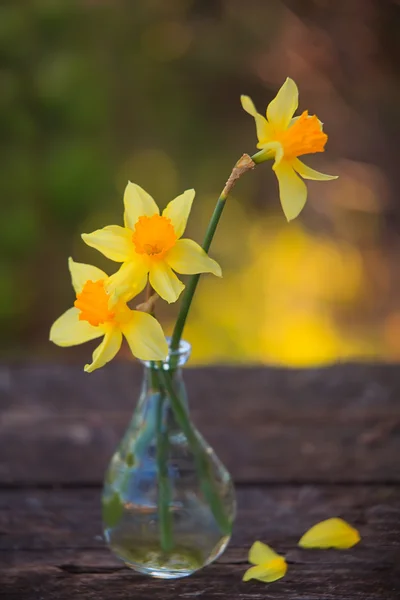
<point>154,383</point>
<point>194,280</point>
<point>242,166</point>
<point>202,462</point>
<point>164,489</point>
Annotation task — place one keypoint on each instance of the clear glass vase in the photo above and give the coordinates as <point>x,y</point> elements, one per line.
<point>168,501</point>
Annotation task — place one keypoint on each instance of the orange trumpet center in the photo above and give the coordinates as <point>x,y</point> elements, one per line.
<point>303,137</point>
<point>154,236</point>
<point>92,301</point>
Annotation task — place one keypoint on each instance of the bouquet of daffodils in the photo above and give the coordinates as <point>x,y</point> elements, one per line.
<point>152,250</point>
<point>173,523</point>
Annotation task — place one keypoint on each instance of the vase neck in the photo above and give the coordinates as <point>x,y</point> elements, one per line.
<point>153,380</point>
<point>154,394</point>
<point>154,408</point>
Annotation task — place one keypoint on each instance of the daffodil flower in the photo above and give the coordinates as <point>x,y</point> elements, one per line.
<point>268,565</point>
<point>151,244</point>
<point>97,313</point>
<point>331,533</point>
<point>285,138</point>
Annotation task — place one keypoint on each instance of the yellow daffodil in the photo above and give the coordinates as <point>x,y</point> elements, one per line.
<point>97,313</point>
<point>331,533</point>
<point>285,138</point>
<point>151,244</point>
<point>269,566</point>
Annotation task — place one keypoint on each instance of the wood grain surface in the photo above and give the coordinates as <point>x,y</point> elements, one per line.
<point>303,445</point>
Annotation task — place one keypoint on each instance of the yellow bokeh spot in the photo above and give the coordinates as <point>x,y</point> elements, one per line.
<point>279,300</point>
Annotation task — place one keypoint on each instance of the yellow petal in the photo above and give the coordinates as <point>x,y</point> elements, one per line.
<point>165,282</point>
<point>283,106</point>
<point>261,553</point>
<point>145,337</point>
<point>332,533</point>
<point>189,258</point>
<point>113,241</point>
<point>248,105</point>
<point>292,190</point>
<point>264,129</point>
<point>68,330</point>
<point>178,211</point>
<point>81,273</point>
<point>267,572</point>
<point>137,203</point>
<point>107,350</point>
<point>129,280</point>
<point>309,173</point>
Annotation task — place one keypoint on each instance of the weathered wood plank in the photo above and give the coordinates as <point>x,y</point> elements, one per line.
<point>342,423</point>
<point>58,425</point>
<point>217,582</point>
<point>50,547</point>
<point>70,519</point>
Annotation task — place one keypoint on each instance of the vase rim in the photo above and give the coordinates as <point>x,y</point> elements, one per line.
<point>184,348</point>
<point>181,355</point>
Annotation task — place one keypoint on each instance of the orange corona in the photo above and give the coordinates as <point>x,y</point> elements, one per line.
<point>92,301</point>
<point>154,236</point>
<point>303,137</point>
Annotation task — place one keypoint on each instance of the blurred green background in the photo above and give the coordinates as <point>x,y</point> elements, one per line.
<point>96,92</point>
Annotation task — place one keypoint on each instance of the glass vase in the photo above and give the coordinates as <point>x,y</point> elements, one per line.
<point>168,501</point>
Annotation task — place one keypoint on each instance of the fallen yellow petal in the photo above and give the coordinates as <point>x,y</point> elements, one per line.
<point>261,553</point>
<point>332,533</point>
<point>268,571</point>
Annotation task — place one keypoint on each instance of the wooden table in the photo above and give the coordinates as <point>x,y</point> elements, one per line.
<point>302,446</point>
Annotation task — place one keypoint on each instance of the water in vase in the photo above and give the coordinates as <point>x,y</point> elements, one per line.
<point>168,501</point>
